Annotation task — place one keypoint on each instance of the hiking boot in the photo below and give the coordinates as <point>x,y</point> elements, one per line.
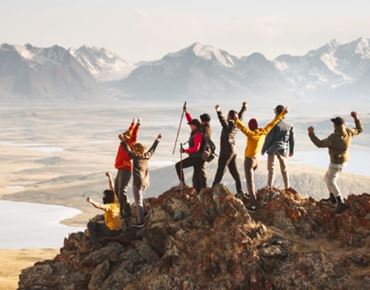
<point>139,226</point>
<point>341,207</point>
<point>331,199</point>
<point>251,208</point>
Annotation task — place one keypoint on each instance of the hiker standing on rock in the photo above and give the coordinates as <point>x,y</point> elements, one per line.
<point>124,167</point>
<point>140,157</point>
<point>195,155</point>
<point>112,217</point>
<point>255,138</point>
<point>228,155</point>
<point>338,144</point>
<point>279,143</point>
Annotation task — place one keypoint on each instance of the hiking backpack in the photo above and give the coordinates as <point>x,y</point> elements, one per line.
<point>208,152</point>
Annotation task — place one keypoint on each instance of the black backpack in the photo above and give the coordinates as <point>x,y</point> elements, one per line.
<point>208,149</point>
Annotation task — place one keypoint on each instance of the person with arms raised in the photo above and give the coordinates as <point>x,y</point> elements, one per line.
<point>124,167</point>
<point>112,217</point>
<point>140,157</point>
<point>338,144</point>
<point>228,155</point>
<point>255,139</point>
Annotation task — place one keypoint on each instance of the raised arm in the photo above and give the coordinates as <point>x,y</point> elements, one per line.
<point>242,110</point>
<point>152,149</point>
<point>95,204</point>
<point>111,184</point>
<point>358,129</point>
<point>276,120</point>
<point>244,129</point>
<point>319,143</point>
<point>221,117</point>
<point>135,131</point>
<point>132,125</point>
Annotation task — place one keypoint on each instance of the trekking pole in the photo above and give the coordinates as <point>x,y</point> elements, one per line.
<point>178,130</point>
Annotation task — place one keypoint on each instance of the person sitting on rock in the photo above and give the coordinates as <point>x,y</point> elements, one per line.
<point>112,216</point>
<point>255,139</point>
<point>279,143</point>
<point>228,154</point>
<point>195,157</point>
<point>140,157</point>
<point>338,144</point>
<point>124,167</point>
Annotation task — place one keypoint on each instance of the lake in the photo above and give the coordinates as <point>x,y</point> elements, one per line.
<point>32,225</point>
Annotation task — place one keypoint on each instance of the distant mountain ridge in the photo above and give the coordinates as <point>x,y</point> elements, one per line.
<point>43,73</point>
<point>203,71</point>
<point>103,64</point>
<point>199,72</point>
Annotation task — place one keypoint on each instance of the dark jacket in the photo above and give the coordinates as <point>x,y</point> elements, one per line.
<point>141,165</point>
<point>228,133</point>
<point>280,139</point>
<point>338,142</point>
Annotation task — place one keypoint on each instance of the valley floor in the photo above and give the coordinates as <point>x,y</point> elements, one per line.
<point>13,261</point>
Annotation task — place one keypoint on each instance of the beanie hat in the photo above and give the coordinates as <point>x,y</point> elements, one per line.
<point>338,121</point>
<point>278,109</point>
<point>252,124</point>
<point>205,117</point>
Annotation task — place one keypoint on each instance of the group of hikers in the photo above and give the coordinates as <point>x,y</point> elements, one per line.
<point>277,139</point>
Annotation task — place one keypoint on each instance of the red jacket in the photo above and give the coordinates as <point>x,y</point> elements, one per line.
<point>196,139</point>
<point>123,160</point>
<point>195,143</point>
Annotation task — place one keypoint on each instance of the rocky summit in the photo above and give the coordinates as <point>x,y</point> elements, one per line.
<point>211,241</point>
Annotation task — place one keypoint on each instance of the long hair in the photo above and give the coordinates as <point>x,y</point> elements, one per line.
<point>108,196</point>
<point>139,149</point>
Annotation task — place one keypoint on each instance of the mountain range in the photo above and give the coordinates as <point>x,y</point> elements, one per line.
<point>198,72</point>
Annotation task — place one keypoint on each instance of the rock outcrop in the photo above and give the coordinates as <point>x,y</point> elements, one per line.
<point>210,241</point>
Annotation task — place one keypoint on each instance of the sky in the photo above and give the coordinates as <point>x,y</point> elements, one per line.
<point>148,29</point>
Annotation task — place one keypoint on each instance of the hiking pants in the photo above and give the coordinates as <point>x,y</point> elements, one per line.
<point>138,196</point>
<point>228,160</point>
<point>250,165</point>
<point>331,177</point>
<point>121,186</point>
<point>199,174</point>
<point>98,229</point>
<point>271,169</point>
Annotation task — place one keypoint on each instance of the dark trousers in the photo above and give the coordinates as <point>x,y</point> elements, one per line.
<point>98,230</point>
<point>121,186</point>
<point>228,160</point>
<point>199,174</point>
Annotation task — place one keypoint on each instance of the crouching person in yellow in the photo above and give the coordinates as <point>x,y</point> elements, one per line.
<point>112,216</point>
<point>255,139</point>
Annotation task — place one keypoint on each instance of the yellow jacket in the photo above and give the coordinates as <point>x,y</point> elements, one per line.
<point>255,138</point>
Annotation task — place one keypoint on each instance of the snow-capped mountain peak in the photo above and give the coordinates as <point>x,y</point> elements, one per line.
<point>363,47</point>
<point>208,52</point>
<point>102,63</point>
